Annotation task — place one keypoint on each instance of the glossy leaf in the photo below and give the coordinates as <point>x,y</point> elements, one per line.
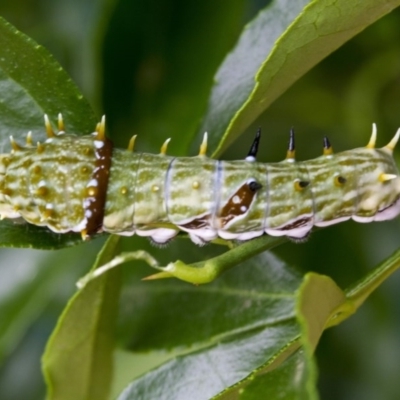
<point>227,329</point>
<point>285,40</point>
<point>32,83</point>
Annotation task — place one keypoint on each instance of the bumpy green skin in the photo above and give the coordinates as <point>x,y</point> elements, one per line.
<point>45,185</point>
<point>151,191</point>
<point>159,195</point>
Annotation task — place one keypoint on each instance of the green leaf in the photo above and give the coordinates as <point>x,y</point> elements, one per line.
<point>28,291</point>
<point>30,281</point>
<point>293,376</point>
<point>360,291</point>
<point>284,383</point>
<point>18,234</point>
<point>78,359</point>
<point>319,299</point>
<point>32,83</point>
<point>203,374</point>
<point>232,352</point>
<point>218,333</point>
<point>285,40</point>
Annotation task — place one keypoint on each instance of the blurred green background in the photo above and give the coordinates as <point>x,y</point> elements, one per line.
<point>131,61</point>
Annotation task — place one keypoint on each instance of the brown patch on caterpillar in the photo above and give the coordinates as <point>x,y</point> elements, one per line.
<point>95,201</point>
<point>197,223</point>
<point>296,224</point>
<point>239,203</point>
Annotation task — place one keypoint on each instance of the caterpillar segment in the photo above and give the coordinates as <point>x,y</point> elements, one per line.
<point>83,184</point>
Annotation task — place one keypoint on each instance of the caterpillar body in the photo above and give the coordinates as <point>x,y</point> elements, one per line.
<point>81,184</point>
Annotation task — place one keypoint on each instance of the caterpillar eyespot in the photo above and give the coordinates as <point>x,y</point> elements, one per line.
<point>82,184</point>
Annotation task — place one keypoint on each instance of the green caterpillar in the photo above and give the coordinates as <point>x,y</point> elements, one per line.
<point>81,184</point>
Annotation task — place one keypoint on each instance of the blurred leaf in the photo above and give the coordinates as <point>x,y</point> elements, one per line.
<point>360,291</point>
<point>29,282</point>
<point>32,83</point>
<point>78,359</point>
<point>159,61</point>
<point>21,234</point>
<point>22,306</point>
<point>285,40</point>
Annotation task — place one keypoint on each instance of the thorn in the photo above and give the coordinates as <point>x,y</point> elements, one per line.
<point>61,127</point>
<point>15,146</point>
<point>29,139</point>
<point>101,129</point>
<point>392,144</point>
<point>372,141</point>
<point>254,147</point>
<point>164,147</point>
<point>290,155</point>
<point>40,147</point>
<point>386,177</point>
<point>49,129</point>
<point>158,275</point>
<point>131,144</point>
<point>203,146</point>
<point>328,150</point>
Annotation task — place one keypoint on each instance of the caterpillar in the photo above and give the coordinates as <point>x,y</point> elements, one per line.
<point>81,184</point>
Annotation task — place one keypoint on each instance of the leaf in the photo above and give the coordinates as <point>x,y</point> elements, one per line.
<point>293,376</point>
<point>18,234</point>
<point>319,299</point>
<point>280,45</point>
<point>28,290</point>
<point>77,363</point>
<point>30,282</point>
<point>285,382</point>
<point>217,334</point>
<point>201,375</point>
<point>360,291</point>
<point>32,83</point>
<point>222,348</point>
